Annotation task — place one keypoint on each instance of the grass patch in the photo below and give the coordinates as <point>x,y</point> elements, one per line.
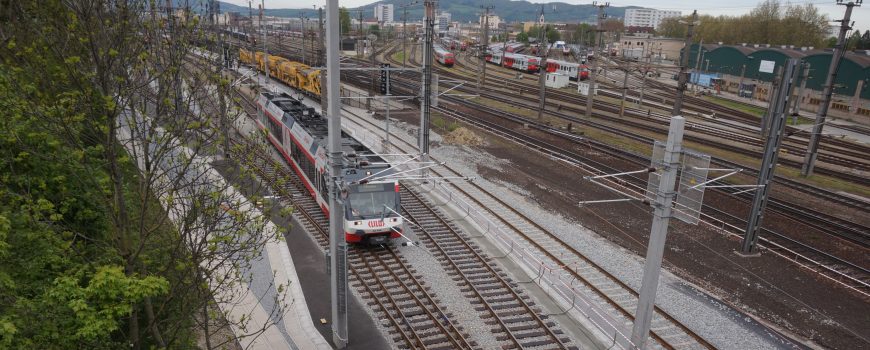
<point>398,56</point>
<point>443,124</point>
<point>756,111</point>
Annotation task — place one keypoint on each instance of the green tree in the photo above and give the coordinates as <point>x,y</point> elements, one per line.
<point>853,42</point>
<point>584,34</point>
<point>344,20</point>
<point>375,29</point>
<point>865,40</point>
<point>523,37</point>
<point>769,23</point>
<point>93,260</point>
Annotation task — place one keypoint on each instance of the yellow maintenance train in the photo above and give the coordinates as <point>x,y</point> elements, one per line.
<point>295,74</point>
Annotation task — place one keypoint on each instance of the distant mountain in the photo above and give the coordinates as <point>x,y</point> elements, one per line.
<point>466,10</point>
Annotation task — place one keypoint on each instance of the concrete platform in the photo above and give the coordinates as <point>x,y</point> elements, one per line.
<point>310,268</point>
<point>267,325</point>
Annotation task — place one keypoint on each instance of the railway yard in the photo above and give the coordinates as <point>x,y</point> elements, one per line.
<point>510,260</point>
<point>209,175</point>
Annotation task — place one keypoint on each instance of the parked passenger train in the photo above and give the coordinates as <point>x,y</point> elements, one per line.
<point>300,134</point>
<point>443,56</point>
<point>575,71</point>
<point>524,63</point>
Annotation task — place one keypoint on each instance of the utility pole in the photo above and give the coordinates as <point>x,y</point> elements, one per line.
<point>544,49</point>
<point>836,56</point>
<point>697,64</point>
<point>224,62</point>
<point>426,91</point>
<point>796,110</point>
<point>321,60</point>
<point>337,244</point>
<point>404,31</point>
<point>302,22</point>
<point>251,35</point>
<point>484,48</point>
<point>683,78</point>
<point>361,35</point>
<point>662,208</point>
<point>740,84</point>
<point>624,89</point>
<point>404,35</point>
<point>265,50</point>
<point>595,54</point>
<point>645,71</point>
<point>771,155</point>
<point>771,103</point>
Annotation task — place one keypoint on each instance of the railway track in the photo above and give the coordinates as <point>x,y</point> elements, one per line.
<point>558,257</point>
<point>832,225</point>
<point>740,143</point>
<point>799,257</point>
<point>505,307</point>
<point>395,291</point>
<point>836,269</point>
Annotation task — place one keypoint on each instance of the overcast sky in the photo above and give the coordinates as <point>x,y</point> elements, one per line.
<point>861,15</point>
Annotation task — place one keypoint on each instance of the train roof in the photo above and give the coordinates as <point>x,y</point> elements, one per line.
<point>441,49</point>
<point>564,63</point>
<point>317,127</point>
<point>519,55</point>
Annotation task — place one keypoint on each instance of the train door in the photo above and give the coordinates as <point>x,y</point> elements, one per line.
<point>552,67</point>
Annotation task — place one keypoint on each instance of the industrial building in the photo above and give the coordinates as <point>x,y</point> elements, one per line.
<point>743,64</point>
<point>494,21</point>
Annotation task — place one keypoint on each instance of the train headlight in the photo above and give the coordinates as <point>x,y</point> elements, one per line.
<point>395,219</point>
<point>357,223</point>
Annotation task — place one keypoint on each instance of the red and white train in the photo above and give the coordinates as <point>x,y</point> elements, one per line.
<point>449,43</point>
<point>443,56</point>
<point>575,71</point>
<point>524,63</point>
<point>300,135</point>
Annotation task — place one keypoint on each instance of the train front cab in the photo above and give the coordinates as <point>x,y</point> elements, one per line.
<point>370,213</point>
<point>449,60</point>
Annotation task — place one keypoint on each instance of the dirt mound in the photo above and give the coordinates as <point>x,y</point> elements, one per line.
<point>463,136</point>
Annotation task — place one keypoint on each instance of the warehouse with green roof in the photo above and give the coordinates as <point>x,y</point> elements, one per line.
<point>739,65</point>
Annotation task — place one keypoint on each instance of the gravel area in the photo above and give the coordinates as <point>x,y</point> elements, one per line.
<point>769,288</point>
<point>448,292</point>
<point>716,322</point>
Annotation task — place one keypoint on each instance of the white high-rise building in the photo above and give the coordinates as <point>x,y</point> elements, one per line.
<point>647,17</point>
<point>384,13</point>
<point>443,21</point>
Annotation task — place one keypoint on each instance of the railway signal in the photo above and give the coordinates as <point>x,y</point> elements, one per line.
<point>385,79</point>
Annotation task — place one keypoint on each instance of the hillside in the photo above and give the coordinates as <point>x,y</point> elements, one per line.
<point>468,10</point>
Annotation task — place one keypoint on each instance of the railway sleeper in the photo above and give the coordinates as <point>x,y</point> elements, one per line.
<point>484,286</point>
<point>535,333</point>
<point>496,293</point>
<point>503,307</point>
<point>515,316</point>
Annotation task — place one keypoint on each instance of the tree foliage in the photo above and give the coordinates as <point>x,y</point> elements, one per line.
<point>584,34</point>
<point>535,32</point>
<point>344,20</point>
<point>98,129</point>
<point>770,22</point>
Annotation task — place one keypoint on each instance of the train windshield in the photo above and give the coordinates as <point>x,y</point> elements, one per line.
<point>372,201</point>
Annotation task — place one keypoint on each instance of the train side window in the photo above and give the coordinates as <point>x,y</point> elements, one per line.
<point>324,191</point>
